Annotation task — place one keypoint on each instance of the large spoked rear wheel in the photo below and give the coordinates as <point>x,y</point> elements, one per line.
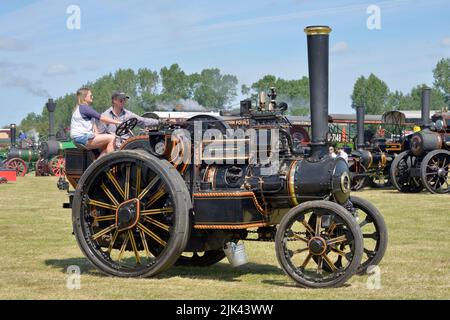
<point>304,249</point>
<point>435,171</point>
<point>131,214</point>
<point>374,232</point>
<point>401,176</point>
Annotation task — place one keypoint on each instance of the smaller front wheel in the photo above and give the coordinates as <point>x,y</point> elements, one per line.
<point>311,237</point>
<point>57,166</point>
<point>359,176</point>
<point>434,171</point>
<point>401,173</point>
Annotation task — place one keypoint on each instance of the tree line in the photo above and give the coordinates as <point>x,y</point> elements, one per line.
<point>374,94</point>
<point>211,89</point>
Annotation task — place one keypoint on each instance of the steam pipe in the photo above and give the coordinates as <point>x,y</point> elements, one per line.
<point>12,128</point>
<point>360,115</point>
<point>426,93</point>
<point>318,48</point>
<point>51,106</point>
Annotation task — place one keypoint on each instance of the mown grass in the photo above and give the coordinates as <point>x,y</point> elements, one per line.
<point>37,247</point>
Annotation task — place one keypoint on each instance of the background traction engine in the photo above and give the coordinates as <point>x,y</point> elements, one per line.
<point>426,159</point>
<point>200,186</point>
<point>20,159</point>
<point>52,160</point>
<point>369,165</point>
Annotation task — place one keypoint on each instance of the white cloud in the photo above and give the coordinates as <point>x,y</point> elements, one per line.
<point>445,42</point>
<point>339,47</point>
<point>11,78</point>
<point>58,70</point>
<point>11,44</point>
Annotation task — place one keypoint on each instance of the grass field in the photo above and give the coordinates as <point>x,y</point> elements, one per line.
<point>37,247</point>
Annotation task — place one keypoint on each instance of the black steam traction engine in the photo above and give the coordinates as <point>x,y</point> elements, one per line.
<point>142,209</point>
<point>426,159</point>
<point>370,163</point>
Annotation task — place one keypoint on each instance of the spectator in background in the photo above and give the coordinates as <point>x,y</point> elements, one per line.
<point>342,154</point>
<point>381,132</point>
<point>22,135</point>
<point>331,152</point>
<point>24,142</point>
<point>82,126</point>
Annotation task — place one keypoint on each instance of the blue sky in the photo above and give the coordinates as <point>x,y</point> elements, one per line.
<point>41,58</point>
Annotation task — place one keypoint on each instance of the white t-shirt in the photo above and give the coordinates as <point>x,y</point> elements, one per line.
<point>83,121</point>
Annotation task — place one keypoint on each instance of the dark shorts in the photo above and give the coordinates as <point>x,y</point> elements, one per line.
<point>84,138</point>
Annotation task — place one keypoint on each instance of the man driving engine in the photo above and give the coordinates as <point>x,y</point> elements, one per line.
<point>118,112</point>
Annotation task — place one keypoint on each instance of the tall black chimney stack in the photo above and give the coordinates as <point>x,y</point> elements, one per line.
<point>426,94</point>
<point>51,106</point>
<point>12,128</point>
<point>318,47</point>
<point>360,114</point>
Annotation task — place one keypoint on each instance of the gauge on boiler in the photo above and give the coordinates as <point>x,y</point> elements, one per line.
<point>160,148</point>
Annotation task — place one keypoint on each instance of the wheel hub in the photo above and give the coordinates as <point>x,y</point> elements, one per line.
<point>441,172</point>
<point>127,215</point>
<point>317,246</point>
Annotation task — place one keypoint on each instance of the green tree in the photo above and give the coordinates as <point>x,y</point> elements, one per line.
<point>296,94</point>
<point>147,90</point>
<point>126,80</point>
<point>294,89</point>
<point>359,92</point>
<point>214,90</point>
<point>36,122</point>
<point>395,100</point>
<point>437,98</point>
<point>175,84</point>
<point>64,109</point>
<point>413,100</point>
<point>372,93</point>
<point>245,90</point>
<point>102,89</point>
<point>441,74</point>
